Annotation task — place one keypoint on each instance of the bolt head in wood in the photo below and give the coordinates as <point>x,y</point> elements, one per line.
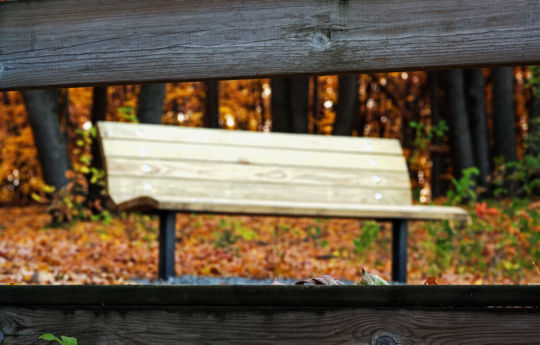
<point>384,340</point>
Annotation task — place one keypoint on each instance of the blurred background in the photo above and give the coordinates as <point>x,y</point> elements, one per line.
<point>471,138</point>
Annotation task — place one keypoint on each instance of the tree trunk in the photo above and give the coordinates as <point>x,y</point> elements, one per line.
<point>290,104</point>
<point>316,108</point>
<point>439,186</point>
<point>458,120</point>
<point>280,105</point>
<point>299,104</point>
<point>99,112</point>
<point>347,106</point>
<point>211,114</point>
<point>504,133</point>
<point>150,105</point>
<point>476,108</point>
<point>42,107</point>
<point>533,132</point>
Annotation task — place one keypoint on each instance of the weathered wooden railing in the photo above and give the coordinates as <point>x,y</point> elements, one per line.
<point>70,42</point>
<point>73,43</point>
<point>381,315</point>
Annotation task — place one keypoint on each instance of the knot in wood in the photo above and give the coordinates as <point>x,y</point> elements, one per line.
<point>321,41</point>
<point>384,340</point>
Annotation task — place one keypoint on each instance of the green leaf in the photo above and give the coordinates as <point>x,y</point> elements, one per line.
<point>48,336</point>
<point>69,341</point>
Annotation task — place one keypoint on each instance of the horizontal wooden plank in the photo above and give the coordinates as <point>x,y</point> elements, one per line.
<point>301,209</point>
<point>122,189</point>
<point>271,325</point>
<point>211,171</point>
<point>272,314</point>
<point>273,295</point>
<point>250,155</point>
<point>71,42</point>
<point>310,142</point>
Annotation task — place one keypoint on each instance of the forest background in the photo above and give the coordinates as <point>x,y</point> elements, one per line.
<point>470,137</point>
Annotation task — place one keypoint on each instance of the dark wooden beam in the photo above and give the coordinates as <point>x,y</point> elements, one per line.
<point>271,295</point>
<point>271,314</point>
<point>70,42</point>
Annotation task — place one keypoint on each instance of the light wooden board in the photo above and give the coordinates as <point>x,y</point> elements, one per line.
<point>287,175</point>
<point>271,325</point>
<point>122,189</point>
<point>204,136</point>
<point>148,148</point>
<point>71,42</point>
<point>302,209</point>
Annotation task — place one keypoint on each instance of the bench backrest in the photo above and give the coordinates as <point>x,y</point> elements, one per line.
<point>195,169</point>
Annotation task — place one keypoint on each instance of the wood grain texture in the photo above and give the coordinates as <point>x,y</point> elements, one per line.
<point>149,148</point>
<point>287,175</point>
<point>304,209</point>
<point>271,325</point>
<point>200,170</point>
<point>122,189</point>
<point>70,42</point>
<point>269,140</point>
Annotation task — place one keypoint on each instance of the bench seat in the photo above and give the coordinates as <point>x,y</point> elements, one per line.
<point>171,168</point>
<point>306,209</point>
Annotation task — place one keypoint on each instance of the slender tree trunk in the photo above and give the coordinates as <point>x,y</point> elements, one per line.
<point>64,112</point>
<point>347,106</point>
<point>42,107</point>
<point>476,108</point>
<point>150,105</point>
<point>299,104</point>
<point>6,98</point>
<point>316,108</point>
<point>458,120</point>
<point>439,186</point>
<point>99,111</point>
<point>290,104</point>
<point>280,105</point>
<point>361,117</point>
<point>211,115</point>
<point>504,133</point>
<point>533,132</point>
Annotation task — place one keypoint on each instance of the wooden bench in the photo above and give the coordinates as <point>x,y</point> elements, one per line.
<point>78,43</point>
<point>170,168</point>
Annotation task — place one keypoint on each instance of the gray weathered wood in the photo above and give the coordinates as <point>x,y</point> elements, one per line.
<point>70,42</point>
<point>279,326</point>
<point>272,314</point>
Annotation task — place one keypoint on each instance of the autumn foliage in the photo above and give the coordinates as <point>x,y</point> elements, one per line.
<point>500,245</point>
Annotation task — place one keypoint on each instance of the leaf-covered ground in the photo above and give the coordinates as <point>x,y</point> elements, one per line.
<point>500,245</point>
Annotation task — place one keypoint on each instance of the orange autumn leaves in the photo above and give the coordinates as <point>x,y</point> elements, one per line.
<point>126,248</point>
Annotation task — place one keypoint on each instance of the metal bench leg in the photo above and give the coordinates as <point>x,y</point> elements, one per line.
<point>167,241</point>
<point>399,250</point>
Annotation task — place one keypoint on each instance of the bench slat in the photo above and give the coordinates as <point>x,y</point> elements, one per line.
<point>251,155</point>
<point>319,143</point>
<point>212,171</point>
<point>306,209</point>
<point>125,188</point>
